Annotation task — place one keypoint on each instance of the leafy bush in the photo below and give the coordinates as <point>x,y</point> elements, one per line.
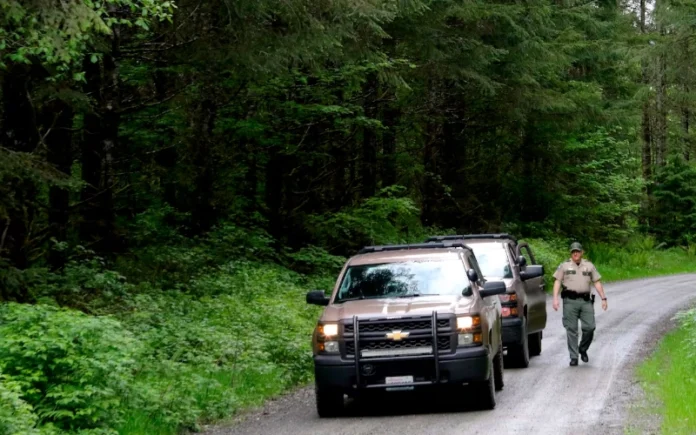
<point>389,217</point>
<point>237,335</point>
<point>73,369</point>
<point>16,415</point>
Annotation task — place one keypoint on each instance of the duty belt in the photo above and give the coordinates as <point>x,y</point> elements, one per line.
<point>570,294</point>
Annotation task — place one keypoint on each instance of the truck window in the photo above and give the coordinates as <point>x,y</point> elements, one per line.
<point>403,279</point>
<point>493,260</point>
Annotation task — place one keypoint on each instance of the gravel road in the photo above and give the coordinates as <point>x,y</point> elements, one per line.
<point>548,397</point>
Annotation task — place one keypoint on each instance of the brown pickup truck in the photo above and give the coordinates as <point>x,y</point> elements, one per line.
<point>502,257</point>
<point>405,317</point>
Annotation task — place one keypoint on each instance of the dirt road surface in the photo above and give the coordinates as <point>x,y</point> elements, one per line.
<point>548,397</point>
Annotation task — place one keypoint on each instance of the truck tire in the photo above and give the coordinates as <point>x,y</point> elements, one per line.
<point>484,392</point>
<point>329,402</point>
<point>518,354</point>
<point>535,344</point>
<point>498,371</point>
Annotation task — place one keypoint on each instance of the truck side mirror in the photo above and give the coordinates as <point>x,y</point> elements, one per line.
<point>492,288</point>
<point>530,272</point>
<point>317,297</point>
<point>521,261</point>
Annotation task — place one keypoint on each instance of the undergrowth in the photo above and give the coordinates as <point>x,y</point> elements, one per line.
<point>191,331</point>
<point>668,376</point>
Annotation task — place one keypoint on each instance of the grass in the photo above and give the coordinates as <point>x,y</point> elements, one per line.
<point>639,258</point>
<point>668,375</point>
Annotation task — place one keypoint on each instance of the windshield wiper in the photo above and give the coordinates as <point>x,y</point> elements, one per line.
<point>357,298</point>
<point>415,295</point>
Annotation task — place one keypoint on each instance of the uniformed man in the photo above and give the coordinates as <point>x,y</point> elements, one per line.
<point>577,276</point>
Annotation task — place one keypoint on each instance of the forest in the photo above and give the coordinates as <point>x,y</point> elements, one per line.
<point>174,174</point>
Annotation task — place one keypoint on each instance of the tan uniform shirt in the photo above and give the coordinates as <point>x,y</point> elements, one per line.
<point>578,278</point>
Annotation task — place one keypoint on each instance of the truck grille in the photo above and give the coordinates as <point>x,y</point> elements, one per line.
<point>403,325</point>
<point>372,335</point>
<point>443,344</point>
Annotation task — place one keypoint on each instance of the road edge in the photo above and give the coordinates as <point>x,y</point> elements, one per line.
<point>629,409</point>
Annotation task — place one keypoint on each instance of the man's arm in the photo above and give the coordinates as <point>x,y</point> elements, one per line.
<point>556,290</point>
<point>600,290</point>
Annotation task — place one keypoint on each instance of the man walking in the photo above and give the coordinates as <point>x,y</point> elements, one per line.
<point>576,276</point>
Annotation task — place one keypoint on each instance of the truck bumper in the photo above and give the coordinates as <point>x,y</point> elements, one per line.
<point>512,331</point>
<point>465,365</point>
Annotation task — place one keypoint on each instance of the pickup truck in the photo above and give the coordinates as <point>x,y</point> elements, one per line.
<point>502,257</point>
<point>404,317</point>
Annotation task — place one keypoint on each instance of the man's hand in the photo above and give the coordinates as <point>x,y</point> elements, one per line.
<point>604,305</point>
<point>556,304</point>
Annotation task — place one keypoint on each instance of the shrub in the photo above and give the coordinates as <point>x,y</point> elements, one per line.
<point>73,369</point>
<point>16,415</point>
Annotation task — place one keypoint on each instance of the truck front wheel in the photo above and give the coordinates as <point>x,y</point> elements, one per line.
<point>329,402</point>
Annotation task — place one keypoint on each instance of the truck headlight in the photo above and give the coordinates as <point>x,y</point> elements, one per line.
<point>469,339</point>
<point>328,330</point>
<point>330,347</point>
<point>468,322</point>
<point>465,339</point>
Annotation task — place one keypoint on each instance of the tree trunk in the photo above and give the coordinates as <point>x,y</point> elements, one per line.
<point>390,117</point>
<point>203,213</point>
<point>60,156</point>
<point>661,108</point>
<point>251,178</point>
<point>19,134</point>
<point>274,193</point>
<point>430,184</point>
<point>686,115</point>
<point>100,142</point>
<point>645,122</point>
<point>369,144</point>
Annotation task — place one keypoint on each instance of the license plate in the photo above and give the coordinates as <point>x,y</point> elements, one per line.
<point>398,380</point>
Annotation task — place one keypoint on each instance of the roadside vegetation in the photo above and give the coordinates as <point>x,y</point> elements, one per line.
<point>175,175</point>
<point>668,377</point>
<point>222,326</point>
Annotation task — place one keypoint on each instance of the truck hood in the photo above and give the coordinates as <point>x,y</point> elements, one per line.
<point>398,306</point>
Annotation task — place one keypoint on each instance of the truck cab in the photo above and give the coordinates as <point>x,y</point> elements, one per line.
<point>502,257</point>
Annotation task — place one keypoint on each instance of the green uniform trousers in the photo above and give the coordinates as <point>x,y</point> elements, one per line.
<point>574,310</point>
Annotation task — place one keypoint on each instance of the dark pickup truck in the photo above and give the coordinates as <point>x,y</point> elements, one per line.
<point>502,257</point>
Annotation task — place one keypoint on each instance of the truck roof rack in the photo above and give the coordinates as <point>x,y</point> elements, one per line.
<point>442,244</point>
<point>471,237</point>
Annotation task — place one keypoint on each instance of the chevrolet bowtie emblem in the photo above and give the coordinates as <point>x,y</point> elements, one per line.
<point>397,335</point>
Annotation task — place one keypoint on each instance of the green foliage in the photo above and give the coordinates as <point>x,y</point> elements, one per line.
<point>16,416</point>
<point>667,376</point>
<point>243,152</point>
<point>74,370</point>
<point>59,34</point>
<point>674,218</point>
<point>598,197</point>
<point>387,218</point>
<point>239,335</point>
<point>636,257</point>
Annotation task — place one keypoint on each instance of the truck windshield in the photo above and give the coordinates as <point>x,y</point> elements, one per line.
<point>492,260</point>
<point>404,279</point>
